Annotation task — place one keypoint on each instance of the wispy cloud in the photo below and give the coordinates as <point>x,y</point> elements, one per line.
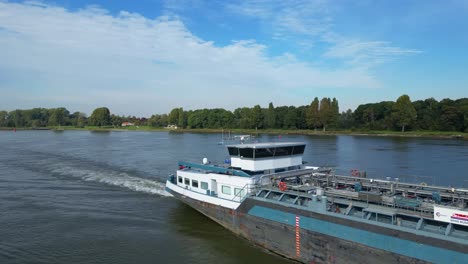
<point>311,21</point>
<point>126,61</point>
<point>366,53</point>
<point>306,17</point>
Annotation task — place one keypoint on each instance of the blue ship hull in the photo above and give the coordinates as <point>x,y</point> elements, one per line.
<point>313,237</point>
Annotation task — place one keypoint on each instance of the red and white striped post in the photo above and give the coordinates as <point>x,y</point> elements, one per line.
<point>298,237</point>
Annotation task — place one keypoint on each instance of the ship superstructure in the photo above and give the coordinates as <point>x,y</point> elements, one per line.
<point>267,195</point>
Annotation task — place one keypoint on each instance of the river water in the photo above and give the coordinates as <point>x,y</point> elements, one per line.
<point>98,197</point>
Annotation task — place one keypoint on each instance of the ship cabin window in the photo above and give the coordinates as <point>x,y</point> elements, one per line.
<point>204,185</point>
<point>283,151</point>
<point>264,152</point>
<point>233,151</point>
<point>246,153</point>
<point>258,153</point>
<point>179,179</point>
<point>195,183</point>
<point>226,190</point>
<point>298,150</point>
<point>187,181</point>
<point>238,192</point>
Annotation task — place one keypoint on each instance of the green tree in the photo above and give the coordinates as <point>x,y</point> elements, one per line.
<point>374,116</point>
<point>78,119</point>
<point>181,122</point>
<point>226,118</point>
<point>100,117</point>
<point>326,113</point>
<point>174,116</point>
<point>27,117</point>
<point>116,120</point>
<point>257,117</point>
<point>281,112</point>
<point>158,120</point>
<point>16,118</point>
<point>451,118</point>
<point>36,123</point>
<point>291,118</point>
<point>41,114</point>
<point>335,108</point>
<point>270,116</point>
<point>463,108</point>
<point>301,112</point>
<point>404,112</point>
<point>346,120</point>
<point>39,117</point>
<point>243,117</point>
<point>428,112</point>
<point>3,118</point>
<point>312,114</point>
<point>58,116</point>
<point>196,119</point>
<point>369,117</point>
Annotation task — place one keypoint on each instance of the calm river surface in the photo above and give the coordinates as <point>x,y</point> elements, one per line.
<point>98,197</point>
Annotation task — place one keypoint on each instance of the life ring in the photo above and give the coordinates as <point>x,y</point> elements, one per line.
<point>354,172</point>
<point>282,186</point>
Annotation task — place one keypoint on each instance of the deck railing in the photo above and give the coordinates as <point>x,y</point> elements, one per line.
<point>246,191</point>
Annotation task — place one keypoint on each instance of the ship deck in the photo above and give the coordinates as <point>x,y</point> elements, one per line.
<point>404,206</point>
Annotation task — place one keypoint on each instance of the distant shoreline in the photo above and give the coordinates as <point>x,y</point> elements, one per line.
<point>410,134</point>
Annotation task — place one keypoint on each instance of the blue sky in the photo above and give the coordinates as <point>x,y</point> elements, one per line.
<point>145,57</point>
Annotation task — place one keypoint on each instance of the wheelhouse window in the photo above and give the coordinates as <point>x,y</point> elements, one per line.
<point>233,151</point>
<point>268,152</point>
<point>246,153</point>
<point>264,152</point>
<point>195,183</point>
<point>204,185</point>
<point>283,151</point>
<point>179,179</point>
<point>226,189</point>
<point>298,150</point>
<point>187,181</point>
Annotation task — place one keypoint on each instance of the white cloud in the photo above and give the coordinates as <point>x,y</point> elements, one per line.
<point>135,65</point>
<point>308,22</point>
<point>366,53</point>
<point>306,17</point>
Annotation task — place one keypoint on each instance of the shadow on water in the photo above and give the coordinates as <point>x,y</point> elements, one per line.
<point>218,243</point>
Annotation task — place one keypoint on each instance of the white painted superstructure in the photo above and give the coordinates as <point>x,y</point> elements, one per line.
<point>266,164</point>
<point>219,185</point>
<point>228,186</point>
<point>266,156</point>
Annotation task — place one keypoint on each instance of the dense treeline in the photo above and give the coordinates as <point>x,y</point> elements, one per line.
<point>429,114</point>
<point>42,117</point>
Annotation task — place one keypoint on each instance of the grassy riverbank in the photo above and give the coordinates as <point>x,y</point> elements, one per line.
<point>428,134</point>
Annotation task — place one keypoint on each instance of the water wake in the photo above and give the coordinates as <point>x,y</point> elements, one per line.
<point>115,178</point>
<point>65,166</point>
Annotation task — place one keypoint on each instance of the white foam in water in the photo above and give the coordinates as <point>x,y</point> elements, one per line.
<point>121,179</point>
